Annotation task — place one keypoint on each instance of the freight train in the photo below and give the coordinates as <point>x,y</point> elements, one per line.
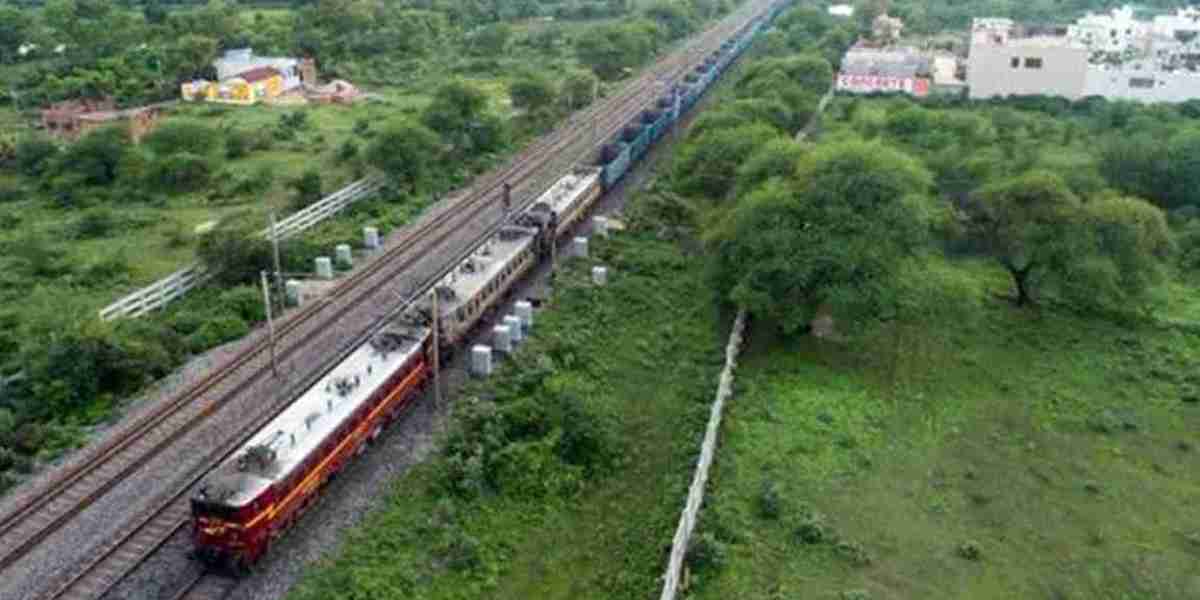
<point>248,501</point>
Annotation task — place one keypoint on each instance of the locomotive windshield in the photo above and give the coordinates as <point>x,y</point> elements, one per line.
<point>213,509</point>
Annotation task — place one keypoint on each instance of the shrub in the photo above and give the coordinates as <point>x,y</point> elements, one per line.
<point>96,223</point>
<point>216,331</point>
<point>1188,243</point>
<point>587,438</point>
<point>8,459</point>
<point>347,151</point>
<point>812,530</point>
<point>970,550</point>
<point>34,155</point>
<point>234,252</point>
<point>294,121</point>
<point>11,192</point>
<point>244,301</point>
<point>263,139</point>
<point>461,552</point>
<point>854,552</point>
<point>770,503</point>
<point>182,172</point>
<point>8,427</point>
<point>106,271</point>
<point>307,189</point>
<point>237,144</point>
<point>362,127</point>
<point>176,137</point>
<point>532,470</point>
<point>706,552</point>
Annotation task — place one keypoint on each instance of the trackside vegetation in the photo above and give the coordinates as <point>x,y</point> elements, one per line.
<point>561,476</point>
<point>971,365</point>
<point>993,452</point>
<point>453,89</point>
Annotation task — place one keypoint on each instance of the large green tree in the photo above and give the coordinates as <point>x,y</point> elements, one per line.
<point>407,151</point>
<point>532,92</point>
<point>835,235</point>
<point>612,50</point>
<point>459,113</point>
<point>15,28</point>
<point>1106,252</point>
<point>1031,225</point>
<point>708,165</point>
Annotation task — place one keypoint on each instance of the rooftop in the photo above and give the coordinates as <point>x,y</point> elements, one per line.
<point>314,417</point>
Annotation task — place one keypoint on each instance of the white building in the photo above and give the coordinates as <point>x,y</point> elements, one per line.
<point>1112,55</point>
<point>235,62</point>
<point>841,10</point>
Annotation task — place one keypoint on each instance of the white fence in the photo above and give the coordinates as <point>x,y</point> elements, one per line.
<point>687,521</point>
<point>812,123</point>
<point>179,283</point>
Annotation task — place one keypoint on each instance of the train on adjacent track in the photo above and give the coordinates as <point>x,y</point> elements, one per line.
<point>263,487</point>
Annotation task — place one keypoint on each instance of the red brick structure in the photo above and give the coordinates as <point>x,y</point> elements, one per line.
<point>71,119</point>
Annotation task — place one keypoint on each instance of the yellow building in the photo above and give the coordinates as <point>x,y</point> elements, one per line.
<point>250,87</point>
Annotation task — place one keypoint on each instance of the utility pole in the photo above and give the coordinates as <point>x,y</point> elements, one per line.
<point>595,116</point>
<point>270,322</point>
<point>437,352</point>
<point>279,289</point>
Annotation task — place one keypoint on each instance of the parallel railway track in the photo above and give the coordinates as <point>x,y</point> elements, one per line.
<point>41,514</point>
<point>207,586</point>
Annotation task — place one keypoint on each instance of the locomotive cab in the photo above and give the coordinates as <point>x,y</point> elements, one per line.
<point>228,530</point>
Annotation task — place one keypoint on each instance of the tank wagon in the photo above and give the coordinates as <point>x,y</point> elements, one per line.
<point>264,486</point>
<point>635,139</point>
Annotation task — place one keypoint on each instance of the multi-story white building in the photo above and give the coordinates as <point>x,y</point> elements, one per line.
<point>1112,55</point>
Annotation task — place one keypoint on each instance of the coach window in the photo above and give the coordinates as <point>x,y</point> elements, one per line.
<point>1015,62</point>
<point>1033,63</point>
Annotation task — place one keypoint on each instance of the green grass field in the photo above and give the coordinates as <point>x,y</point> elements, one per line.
<point>644,351</point>
<point>1014,454</point>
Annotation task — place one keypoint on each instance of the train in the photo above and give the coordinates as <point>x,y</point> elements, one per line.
<point>251,498</point>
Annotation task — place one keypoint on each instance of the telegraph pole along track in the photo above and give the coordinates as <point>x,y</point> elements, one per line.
<point>243,391</point>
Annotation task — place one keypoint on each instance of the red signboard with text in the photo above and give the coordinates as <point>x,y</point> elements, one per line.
<point>866,84</point>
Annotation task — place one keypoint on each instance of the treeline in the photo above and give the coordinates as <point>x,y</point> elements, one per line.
<point>61,368</point>
<point>1075,202</point>
<point>140,52</point>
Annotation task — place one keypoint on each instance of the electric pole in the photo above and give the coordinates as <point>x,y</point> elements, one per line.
<point>279,289</point>
<point>270,322</point>
<point>437,352</point>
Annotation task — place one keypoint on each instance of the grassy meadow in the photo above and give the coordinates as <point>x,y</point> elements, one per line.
<point>1000,453</point>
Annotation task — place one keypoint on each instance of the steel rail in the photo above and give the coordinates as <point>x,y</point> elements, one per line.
<point>45,512</point>
<point>152,528</point>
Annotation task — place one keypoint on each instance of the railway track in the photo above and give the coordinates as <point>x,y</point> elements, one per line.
<point>75,489</point>
<point>207,586</point>
<point>79,485</point>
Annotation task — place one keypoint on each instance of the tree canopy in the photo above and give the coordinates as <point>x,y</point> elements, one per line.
<point>835,235</point>
<point>459,113</point>
<point>406,151</point>
<point>1108,251</point>
<point>708,165</point>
